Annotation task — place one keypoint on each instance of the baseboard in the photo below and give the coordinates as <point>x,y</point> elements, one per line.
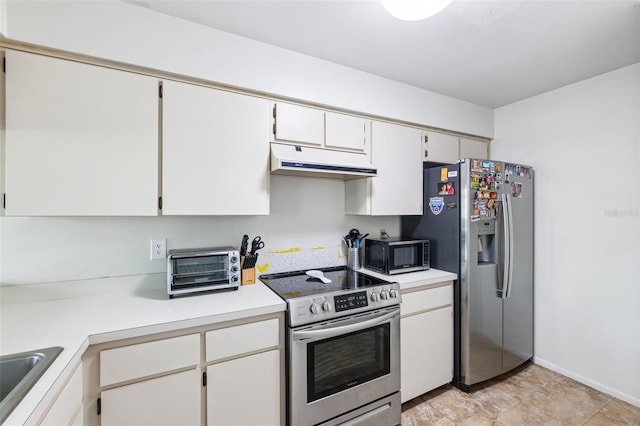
<point>586,381</point>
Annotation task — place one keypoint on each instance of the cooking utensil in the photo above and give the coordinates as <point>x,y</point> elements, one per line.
<point>250,261</point>
<point>319,275</point>
<point>243,245</point>
<point>257,244</point>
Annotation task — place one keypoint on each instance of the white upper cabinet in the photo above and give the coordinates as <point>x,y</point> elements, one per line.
<point>296,123</point>
<point>440,147</point>
<point>473,148</point>
<point>397,190</point>
<point>347,132</point>
<point>448,149</point>
<point>81,140</point>
<point>215,158</point>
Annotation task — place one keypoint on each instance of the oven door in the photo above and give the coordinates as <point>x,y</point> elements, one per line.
<point>340,365</point>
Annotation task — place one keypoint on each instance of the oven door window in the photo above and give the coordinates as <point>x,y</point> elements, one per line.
<point>348,360</point>
<point>195,271</point>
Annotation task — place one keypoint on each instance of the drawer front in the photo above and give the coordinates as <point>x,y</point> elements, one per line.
<point>232,341</point>
<point>144,359</point>
<point>425,300</point>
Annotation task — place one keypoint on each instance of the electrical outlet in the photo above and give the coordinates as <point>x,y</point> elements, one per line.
<point>158,248</point>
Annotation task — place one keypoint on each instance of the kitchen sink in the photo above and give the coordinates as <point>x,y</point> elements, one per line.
<point>19,372</point>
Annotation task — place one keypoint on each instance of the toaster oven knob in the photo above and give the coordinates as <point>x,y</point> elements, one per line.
<point>234,269</point>
<point>233,259</point>
<point>326,306</point>
<point>375,297</point>
<point>315,308</point>
<point>234,278</point>
<point>384,294</point>
<point>393,293</point>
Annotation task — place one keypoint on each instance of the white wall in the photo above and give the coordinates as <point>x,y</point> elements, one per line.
<point>304,230</point>
<point>584,142</point>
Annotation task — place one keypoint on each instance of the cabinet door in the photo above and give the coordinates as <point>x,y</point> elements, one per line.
<point>426,352</point>
<point>397,190</point>
<point>215,158</point>
<point>295,123</point>
<point>441,148</point>
<point>169,400</point>
<point>245,391</point>
<point>68,405</point>
<point>347,132</point>
<point>80,139</point>
<point>473,148</point>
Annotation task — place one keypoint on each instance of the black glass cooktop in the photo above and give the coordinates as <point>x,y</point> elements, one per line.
<point>294,284</point>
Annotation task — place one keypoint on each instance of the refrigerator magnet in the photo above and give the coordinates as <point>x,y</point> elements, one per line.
<point>436,204</point>
<point>444,172</point>
<point>516,189</point>
<point>446,188</point>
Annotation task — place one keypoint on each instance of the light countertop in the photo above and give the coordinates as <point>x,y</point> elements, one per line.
<point>77,314</point>
<point>413,280</point>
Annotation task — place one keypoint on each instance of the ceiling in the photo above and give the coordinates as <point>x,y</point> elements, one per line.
<point>490,53</point>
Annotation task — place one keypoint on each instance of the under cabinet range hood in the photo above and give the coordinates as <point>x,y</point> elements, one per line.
<point>315,162</point>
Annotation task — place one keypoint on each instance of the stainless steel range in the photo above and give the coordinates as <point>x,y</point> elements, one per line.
<point>343,347</point>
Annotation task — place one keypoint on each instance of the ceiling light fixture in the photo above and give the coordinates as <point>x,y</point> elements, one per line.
<point>414,10</point>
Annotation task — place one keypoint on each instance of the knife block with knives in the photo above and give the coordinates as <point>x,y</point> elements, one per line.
<point>248,260</point>
<point>248,271</point>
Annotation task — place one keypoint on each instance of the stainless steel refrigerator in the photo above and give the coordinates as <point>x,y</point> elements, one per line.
<point>478,215</point>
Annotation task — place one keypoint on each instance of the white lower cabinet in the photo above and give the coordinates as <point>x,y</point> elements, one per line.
<point>167,400</point>
<point>67,408</point>
<point>160,381</point>
<point>426,336</point>
<point>245,391</point>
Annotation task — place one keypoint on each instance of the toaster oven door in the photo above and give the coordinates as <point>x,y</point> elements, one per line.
<point>193,272</point>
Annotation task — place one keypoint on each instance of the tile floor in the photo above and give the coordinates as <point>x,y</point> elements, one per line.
<point>530,395</point>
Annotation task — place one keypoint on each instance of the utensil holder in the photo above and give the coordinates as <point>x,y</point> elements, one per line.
<point>353,258</point>
<point>248,273</point>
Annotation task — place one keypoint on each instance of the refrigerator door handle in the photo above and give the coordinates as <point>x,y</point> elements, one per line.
<point>508,245</point>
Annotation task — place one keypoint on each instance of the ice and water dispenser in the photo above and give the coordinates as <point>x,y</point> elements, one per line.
<point>486,231</point>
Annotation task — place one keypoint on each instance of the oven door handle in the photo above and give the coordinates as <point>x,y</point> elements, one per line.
<point>329,332</point>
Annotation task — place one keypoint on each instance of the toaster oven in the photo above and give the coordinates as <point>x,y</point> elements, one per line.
<point>195,270</point>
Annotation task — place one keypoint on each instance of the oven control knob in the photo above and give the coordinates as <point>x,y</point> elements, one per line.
<point>234,269</point>
<point>326,306</point>
<point>234,278</point>
<point>375,297</point>
<point>233,259</point>
<point>393,293</point>
<point>384,294</point>
<point>315,308</point>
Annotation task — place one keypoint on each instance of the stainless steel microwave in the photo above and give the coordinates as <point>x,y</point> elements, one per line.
<point>193,270</point>
<point>395,255</point>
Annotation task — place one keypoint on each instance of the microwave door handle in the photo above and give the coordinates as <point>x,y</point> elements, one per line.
<point>329,332</point>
